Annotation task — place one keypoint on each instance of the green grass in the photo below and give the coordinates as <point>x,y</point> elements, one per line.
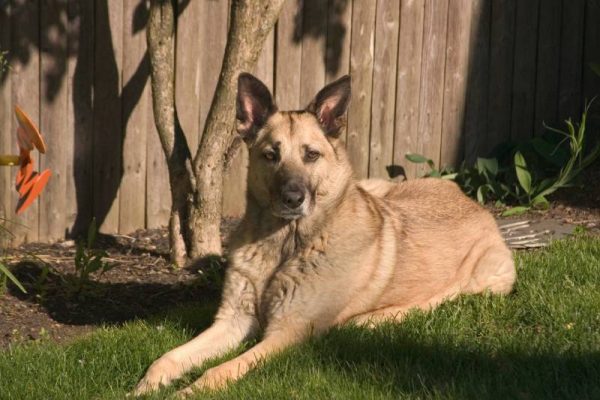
<point>542,341</point>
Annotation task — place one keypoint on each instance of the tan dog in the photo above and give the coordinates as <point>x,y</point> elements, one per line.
<point>317,248</point>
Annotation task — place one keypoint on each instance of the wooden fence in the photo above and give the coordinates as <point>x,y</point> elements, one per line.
<point>446,78</point>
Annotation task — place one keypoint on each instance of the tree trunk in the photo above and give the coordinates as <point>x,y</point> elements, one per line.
<point>161,43</point>
<point>197,188</point>
<point>251,23</point>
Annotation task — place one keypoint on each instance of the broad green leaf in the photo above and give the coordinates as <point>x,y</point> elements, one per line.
<point>416,158</point>
<point>13,278</point>
<point>487,164</point>
<point>540,202</point>
<point>435,174</point>
<point>450,176</point>
<point>523,174</point>
<point>481,193</point>
<point>515,211</point>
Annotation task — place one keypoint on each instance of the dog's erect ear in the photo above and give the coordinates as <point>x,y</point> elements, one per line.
<point>253,107</point>
<point>330,104</point>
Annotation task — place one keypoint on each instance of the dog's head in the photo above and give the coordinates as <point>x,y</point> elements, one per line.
<point>297,164</point>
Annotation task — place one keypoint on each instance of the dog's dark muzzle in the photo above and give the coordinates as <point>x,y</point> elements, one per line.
<point>293,194</point>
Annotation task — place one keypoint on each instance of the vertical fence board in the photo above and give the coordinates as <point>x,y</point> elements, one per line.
<point>25,76</point>
<point>591,80</point>
<point>53,117</point>
<point>476,107</point>
<point>384,94</point>
<point>6,128</point>
<point>361,69</point>
<point>339,34</point>
<point>108,134</point>
<point>289,56</point>
<point>188,74</point>
<point>314,32</point>
<point>158,194</point>
<point>548,56</point>
<point>571,50</point>
<point>211,39</point>
<point>80,116</point>
<point>460,19</point>
<point>432,83</point>
<point>501,71</point>
<point>134,110</point>
<point>408,83</point>
<point>523,96</point>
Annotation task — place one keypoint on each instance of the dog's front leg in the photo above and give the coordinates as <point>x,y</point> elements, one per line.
<point>234,323</point>
<point>232,370</point>
<point>222,336</point>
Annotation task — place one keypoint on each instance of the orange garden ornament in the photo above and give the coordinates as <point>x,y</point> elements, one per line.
<point>29,183</point>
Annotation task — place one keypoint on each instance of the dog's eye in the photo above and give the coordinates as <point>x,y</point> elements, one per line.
<point>269,155</point>
<point>312,155</point>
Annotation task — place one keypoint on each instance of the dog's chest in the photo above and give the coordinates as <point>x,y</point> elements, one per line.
<point>276,268</point>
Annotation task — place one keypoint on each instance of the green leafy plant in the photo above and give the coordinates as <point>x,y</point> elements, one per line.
<point>524,175</point>
<point>5,273</point>
<point>89,260</point>
<point>445,173</point>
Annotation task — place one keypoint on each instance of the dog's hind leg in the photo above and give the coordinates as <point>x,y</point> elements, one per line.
<point>222,336</point>
<point>494,271</point>
<point>397,313</point>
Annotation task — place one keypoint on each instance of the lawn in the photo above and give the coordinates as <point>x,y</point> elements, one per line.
<point>542,341</point>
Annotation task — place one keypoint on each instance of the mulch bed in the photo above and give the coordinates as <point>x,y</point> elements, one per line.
<point>143,283</point>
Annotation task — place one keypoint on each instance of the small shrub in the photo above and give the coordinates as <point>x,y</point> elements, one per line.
<point>89,260</point>
<point>524,175</point>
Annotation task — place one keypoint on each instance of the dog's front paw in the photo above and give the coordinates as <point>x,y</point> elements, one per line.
<point>162,372</point>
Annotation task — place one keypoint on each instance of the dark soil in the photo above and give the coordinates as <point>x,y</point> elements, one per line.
<point>143,283</point>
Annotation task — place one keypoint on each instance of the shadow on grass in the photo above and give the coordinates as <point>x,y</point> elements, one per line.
<point>431,368</point>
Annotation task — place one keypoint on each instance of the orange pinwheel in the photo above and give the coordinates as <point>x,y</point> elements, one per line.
<point>29,183</point>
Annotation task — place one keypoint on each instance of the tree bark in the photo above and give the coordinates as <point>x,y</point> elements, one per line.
<point>251,22</point>
<point>161,43</point>
<point>197,187</point>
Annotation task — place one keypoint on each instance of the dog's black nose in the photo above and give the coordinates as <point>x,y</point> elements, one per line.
<point>292,195</point>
